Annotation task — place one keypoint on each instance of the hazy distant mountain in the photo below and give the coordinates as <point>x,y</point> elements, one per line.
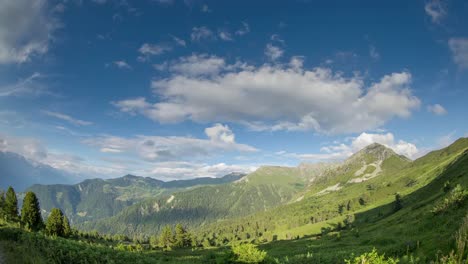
<point>94,199</point>
<point>20,173</point>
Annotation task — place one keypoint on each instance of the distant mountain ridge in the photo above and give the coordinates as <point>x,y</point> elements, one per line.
<point>99,198</point>
<point>266,188</point>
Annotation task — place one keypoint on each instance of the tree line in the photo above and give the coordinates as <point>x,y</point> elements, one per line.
<point>30,218</point>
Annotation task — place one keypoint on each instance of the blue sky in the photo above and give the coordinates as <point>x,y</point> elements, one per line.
<point>182,89</point>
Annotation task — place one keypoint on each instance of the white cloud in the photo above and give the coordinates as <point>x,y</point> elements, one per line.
<point>273,52</point>
<point>26,29</point>
<point>437,109</point>
<point>459,48</point>
<point>158,148</point>
<point>188,170</point>
<point>220,133</point>
<point>27,86</point>
<point>122,64</point>
<point>201,33</point>
<point>296,62</point>
<point>436,10</point>
<point>243,30</point>
<point>275,97</point>
<point>67,118</point>
<point>179,41</point>
<point>147,50</point>
<point>35,151</point>
<point>197,65</point>
<point>225,35</point>
<point>342,151</point>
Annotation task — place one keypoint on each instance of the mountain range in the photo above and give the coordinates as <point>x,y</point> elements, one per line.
<point>336,208</point>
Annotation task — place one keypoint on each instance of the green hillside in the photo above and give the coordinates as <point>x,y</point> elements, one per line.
<point>362,215</point>
<point>259,191</point>
<point>416,212</point>
<point>266,188</point>
<point>96,198</point>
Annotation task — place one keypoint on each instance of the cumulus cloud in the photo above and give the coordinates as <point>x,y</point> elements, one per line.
<point>436,10</point>
<point>26,29</point>
<point>69,119</point>
<point>275,97</point>
<point>459,48</point>
<point>158,148</point>
<point>201,33</point>
<point>147,50</point>
<point>273,52</point>
<point>220,133</point>
<point>342,151</point>
<point>437,109</point>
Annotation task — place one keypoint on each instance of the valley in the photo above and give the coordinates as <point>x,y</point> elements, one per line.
<point>321,212</point>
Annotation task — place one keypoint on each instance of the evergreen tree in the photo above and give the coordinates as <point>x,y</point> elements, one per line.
<point>165,240</point>
<point>54,226</point>
<point>2,205</point>
<point>11,205</point>
<point>154,241</point>
<point>397,205</point>
<point>31,217</point>
<point>182,238</point>
<point>67,231</point>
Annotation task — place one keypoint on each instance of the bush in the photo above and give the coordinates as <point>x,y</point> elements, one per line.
<point>456,198</point>
<point>248,253</point>
<point>371,258</point>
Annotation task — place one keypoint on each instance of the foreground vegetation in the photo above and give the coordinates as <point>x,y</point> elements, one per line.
<point>415,212</point>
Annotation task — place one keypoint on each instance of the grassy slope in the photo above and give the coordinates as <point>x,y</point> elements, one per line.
<point>420,185</point>
<point>96,198</point>
<point>259,191</point>
<point>412,229</point>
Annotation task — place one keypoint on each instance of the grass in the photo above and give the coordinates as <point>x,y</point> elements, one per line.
<point>412,233</point>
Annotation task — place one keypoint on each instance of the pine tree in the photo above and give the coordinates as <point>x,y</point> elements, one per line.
<point>67,231</point>
<point>398,204</point>
<point>181,239</point>
<point>11,205</point>
<point>54,226</point>
<point>154,241</point>
<point>31,217</point>
<point>165,240</point>
<point>2,205</point>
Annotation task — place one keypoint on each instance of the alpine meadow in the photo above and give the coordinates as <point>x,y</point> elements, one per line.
<point>204,131</point>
